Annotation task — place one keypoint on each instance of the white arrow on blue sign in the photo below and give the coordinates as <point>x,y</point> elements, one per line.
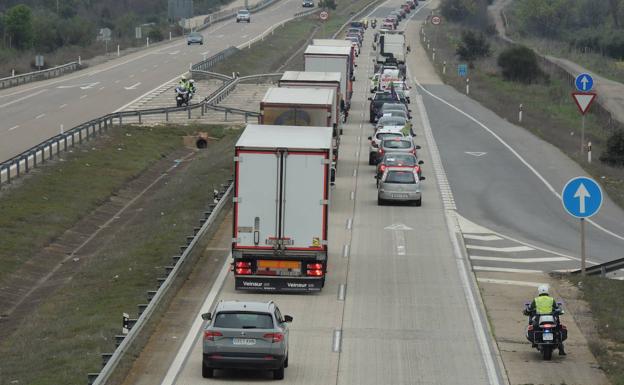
<point>584,82</point>
<point>582,197</point>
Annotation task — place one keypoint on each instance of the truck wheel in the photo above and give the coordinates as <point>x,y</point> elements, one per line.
<point>278,374</point>
<point>286,362</point>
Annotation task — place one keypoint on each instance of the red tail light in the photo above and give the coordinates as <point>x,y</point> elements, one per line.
<point>530,327</point>
<point>548,326</point>
<point>243,264</point>
<point>315,266</point>
<point>242,268</point>
<point>382,168</point>
<point>210,335</point>
<point>381,151</point>
<point>243,271</point>
<point>274,337</point>
<point>417,168</point>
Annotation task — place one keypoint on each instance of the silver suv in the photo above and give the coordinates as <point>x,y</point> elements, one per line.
<point>245,335</point>
<point>243,15</point>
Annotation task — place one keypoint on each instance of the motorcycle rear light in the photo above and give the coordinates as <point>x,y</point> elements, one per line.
<point>210,335</point>
<point>315,266</point>
<point>240,271</point>
<point>548,326</point>
<point>274,337</point>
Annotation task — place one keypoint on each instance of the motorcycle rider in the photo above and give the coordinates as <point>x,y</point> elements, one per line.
<point>544,304</point>
<point>191,86</point>
<point>184,82</point>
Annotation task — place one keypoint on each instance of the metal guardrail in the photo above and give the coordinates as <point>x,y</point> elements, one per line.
<point>132,335</point>
<point>16,80</point>
<point>204,65</point>
<point>230,13</point>
<point>603,268</point>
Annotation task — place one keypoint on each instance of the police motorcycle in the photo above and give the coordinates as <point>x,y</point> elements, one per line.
<point>374,23</point>
<point>182,96</point>
<point>545,331</point>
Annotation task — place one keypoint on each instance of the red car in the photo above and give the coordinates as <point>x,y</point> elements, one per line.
<point>407,8</point>
<point>400,160</point>
<point>412,4</point>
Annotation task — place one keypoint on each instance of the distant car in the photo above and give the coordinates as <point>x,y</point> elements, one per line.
<point>381,134</point>
<point>399,184</point>
<point>407,8</point>
<point>307,4</point>
<point>243,15</point>
<point>245,335</point>
<point>412,4</point>
<point>393,105</point>
<point>376,102</point>
<point>195,38</point>
<point>392,159</point>
<point>396,114</point>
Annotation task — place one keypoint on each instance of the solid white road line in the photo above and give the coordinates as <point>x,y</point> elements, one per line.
<point>83,96</point>
<point>510,249</point>
<point>14,127</point>
<point>22,98</point>
<point>194,332</point>
<point>482,237</point>
<point>39,116</point>
<point>519,260</point>
<point>509,282</point>
<point>62,106</point>
<point>506,270</point>
<point>337,341</point>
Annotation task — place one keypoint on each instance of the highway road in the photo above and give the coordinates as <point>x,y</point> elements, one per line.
<point>507,181</point>
<point>35,112</point>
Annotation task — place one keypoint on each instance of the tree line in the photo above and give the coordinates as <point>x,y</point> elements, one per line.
<point>597,25</point>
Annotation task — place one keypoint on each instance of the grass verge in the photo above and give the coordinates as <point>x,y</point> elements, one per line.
<point>606,300</point>
<point>62,340</point>
<point>549,111</point>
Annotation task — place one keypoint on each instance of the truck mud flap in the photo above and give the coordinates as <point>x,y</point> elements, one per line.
<point>256,283</point>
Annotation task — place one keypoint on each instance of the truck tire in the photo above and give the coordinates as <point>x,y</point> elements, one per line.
<point>278,374</point>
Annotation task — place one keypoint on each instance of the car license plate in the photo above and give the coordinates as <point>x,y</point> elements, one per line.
<point>244,341</point>
<point>547,337</point>
<point>399,195</point>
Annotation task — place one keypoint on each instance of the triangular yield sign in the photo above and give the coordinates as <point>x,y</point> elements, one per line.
<point>583,100</point>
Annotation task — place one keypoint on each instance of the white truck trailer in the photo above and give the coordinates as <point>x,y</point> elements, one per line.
<point>320,58</point>
<point>303,79</point>
<point>281,208</point>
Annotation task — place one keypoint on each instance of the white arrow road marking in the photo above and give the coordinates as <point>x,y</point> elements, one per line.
<point>39,116</point>
<point>519,260</point>
<point>89,86</point>
<point>22,98</point>
<point>511,249</point>
<point>83,96</point>
<point>477,154</point>
<point>205,53</point>
<point>508,282</point>
<point>506,270</point>
<point>582,194</point>
<point>132,87</point>
<point>220,36</point>
<point>398,226</point>
<point>62,106</point>
<point>482,237</point>
<point>174,52</point>
<point>13,128</point>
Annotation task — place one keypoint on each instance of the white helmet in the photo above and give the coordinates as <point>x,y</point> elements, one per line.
<point>183,77</point>
<point>542,289</point>
<point>192,81</point>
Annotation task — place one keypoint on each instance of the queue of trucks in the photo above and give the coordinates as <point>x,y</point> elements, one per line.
<point>283,171</point>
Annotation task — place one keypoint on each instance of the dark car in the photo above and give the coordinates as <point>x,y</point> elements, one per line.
<point>377,101</point>
<point>307,4</point>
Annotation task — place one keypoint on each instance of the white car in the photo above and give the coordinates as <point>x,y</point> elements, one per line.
<point>386,132</point>
<point>243,15</point>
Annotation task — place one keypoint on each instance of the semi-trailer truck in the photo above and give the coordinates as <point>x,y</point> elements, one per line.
<point>281,207</point>
<point>320,58</point>
<point>303,79</point>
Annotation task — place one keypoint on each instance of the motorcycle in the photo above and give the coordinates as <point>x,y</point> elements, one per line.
<point>183,96</point>
<point>374,23</point>
<point>545,331</point>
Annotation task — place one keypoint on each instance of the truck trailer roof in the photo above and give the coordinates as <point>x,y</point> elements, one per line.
<point>301,96</point>
<point>327,50</point>
<point>258,136</point>
<point>310,76</point>
<point>332,42</point>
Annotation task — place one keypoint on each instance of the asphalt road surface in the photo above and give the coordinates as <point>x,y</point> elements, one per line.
<point>34,112</point>
<point>399,304</point>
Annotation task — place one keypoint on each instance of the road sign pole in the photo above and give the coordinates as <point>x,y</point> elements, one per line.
<point>583,246</point>
<point>583,134</point>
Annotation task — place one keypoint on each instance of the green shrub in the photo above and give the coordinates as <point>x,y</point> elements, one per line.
<point>155,34</point>
<point>519,63</point>
<point>614,153</point>
<point>329,4</point>
<point>472,46</point>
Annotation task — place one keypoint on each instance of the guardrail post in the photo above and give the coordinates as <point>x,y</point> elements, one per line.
<point>139,117</point>
<point>65,140</point>
<point>8,174</point>
<point>120,121</point>
<point>17,169</point>
<point>26,163</point>
<point>226,112</point>
<point>188,109</point>
<point>166,115</point>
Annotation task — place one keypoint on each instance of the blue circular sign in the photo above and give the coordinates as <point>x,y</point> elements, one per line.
<point>582,197</point>
<point>584,82</point>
